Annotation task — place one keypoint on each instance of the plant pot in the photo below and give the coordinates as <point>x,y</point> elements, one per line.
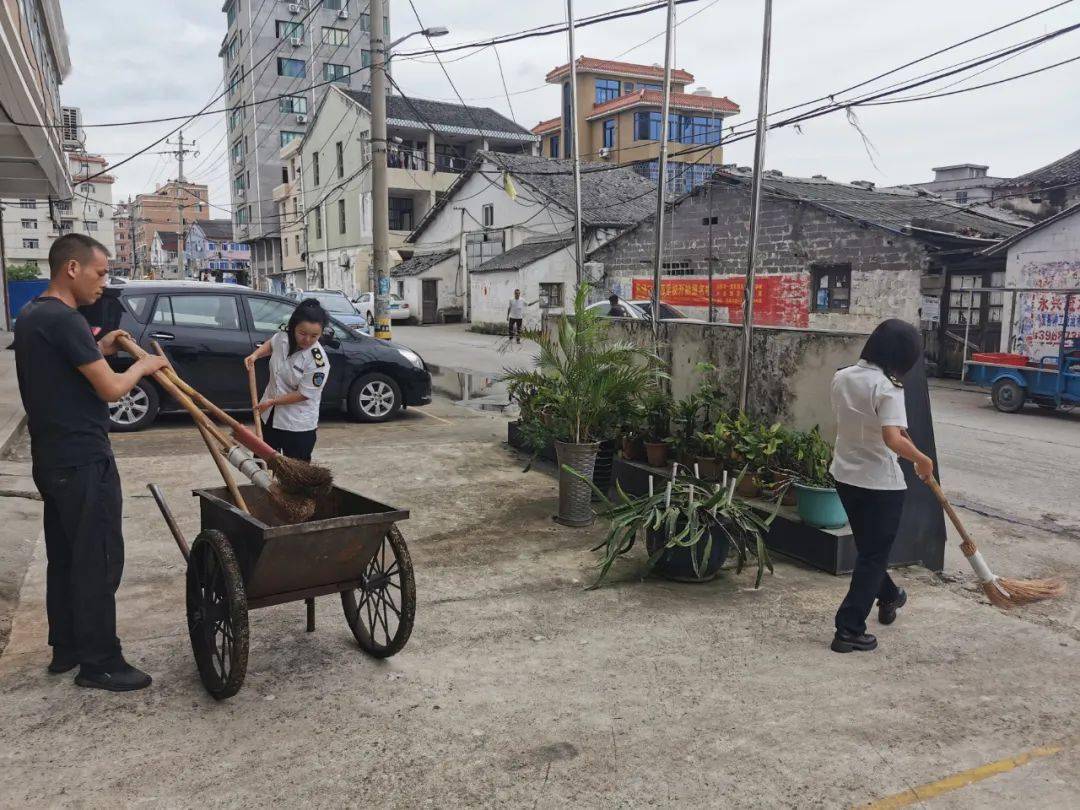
<point>749,486</point>
<point>602,471</point>
<point>656,453</point>
<point>575,495</point>
<point>708,468</point>
<point>632,448</point>
<point>820,507</point>
<point>678,563</point>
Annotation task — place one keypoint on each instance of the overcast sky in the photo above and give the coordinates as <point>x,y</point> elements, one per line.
<point>136,59</point>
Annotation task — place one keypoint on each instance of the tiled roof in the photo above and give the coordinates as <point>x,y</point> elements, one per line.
<point>629,69</point>
<point>217,229</point>
<point>446,117</point>
<point>523,255</point>
<point>1061,171</point>
<point>547,126</point>
<point>168,240</point>
<point>679,101</point>
<point>419,263</point>
<point>1005,244</point>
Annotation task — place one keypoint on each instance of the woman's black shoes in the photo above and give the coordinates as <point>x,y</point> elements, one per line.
<point>845,642</point>
<point>124,678</point>
<point>886,612</point>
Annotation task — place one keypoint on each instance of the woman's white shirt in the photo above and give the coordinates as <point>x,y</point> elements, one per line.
<point>306,372</point>
<point>864,400</point>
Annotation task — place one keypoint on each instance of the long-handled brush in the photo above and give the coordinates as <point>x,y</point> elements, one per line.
<point>1005,593</point>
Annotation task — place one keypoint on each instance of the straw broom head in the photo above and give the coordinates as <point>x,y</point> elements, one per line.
<point>290,506</point>
<point>299,475</point>
<point>1010,593</point>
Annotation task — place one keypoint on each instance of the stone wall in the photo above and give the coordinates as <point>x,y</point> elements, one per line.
<point>885,267</point>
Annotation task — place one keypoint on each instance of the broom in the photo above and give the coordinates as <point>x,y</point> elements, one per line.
<point>1005,593</point>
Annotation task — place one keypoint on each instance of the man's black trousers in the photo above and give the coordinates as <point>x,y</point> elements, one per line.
<point>85,548</point>
<point>515,328</point>
<point>874,515</point>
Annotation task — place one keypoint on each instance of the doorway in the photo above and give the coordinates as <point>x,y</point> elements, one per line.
<point>971,310</point>
<point>429,300</point>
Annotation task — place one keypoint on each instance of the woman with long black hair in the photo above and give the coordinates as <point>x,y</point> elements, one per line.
<point>868,403</point>
<point>299,367</point>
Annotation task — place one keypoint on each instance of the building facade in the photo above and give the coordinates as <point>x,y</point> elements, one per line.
<point>171,207</point>
<point>430,144</point>
<point>272,50</point>
<point>122,263</point>
<point>1045,191</point>
<point>962,183</point>
<point>619,112</point>
<point>161,256</point>
<point>210,254</point>
<point>290,201</point>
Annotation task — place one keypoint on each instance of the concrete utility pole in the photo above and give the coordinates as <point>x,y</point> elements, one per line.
<point>179,153</point>
<point>755,205</point>
<point>661,172</point>
<point>575,142</point>
<point>380,202</point>
<point>3,274</point>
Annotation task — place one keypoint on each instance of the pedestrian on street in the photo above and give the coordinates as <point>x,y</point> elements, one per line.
<point>515,314</point>
<point>299,367</point>
<point>617,310</point>
<point>868,403</point>
<point>66,385</point>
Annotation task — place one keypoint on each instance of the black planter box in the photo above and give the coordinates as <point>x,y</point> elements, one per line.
<point>829,550</point>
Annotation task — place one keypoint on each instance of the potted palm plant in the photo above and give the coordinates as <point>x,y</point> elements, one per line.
<point>586,379</point>
<point>815,489</point>
<point>657,405</point>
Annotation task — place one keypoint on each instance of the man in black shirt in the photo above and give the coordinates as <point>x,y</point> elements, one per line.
<point>617,309</point>
<point>66,385</point>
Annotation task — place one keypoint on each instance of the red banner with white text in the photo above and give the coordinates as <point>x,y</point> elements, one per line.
<point>779,300</point>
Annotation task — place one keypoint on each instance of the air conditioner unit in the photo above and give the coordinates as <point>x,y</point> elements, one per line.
<point>343,14</point>
<point>301,118</point>
<point>294,8</point>
<point>604,152</point>
<point>296,41</point>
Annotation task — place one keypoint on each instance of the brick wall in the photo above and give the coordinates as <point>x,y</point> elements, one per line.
<point>886,267</point>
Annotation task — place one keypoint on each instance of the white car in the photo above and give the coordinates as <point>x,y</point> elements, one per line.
<point>365,305</point>
<point>632,312</point>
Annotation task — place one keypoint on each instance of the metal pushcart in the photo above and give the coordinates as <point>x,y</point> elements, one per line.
<point>242,561</point>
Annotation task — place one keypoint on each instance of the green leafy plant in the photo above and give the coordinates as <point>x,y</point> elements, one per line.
<point>657,406</point>
<point>687,418</point>
<point>813,458</point>
<point>22,272</point>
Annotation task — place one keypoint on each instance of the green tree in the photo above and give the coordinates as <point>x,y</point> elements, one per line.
<point>22,272</point>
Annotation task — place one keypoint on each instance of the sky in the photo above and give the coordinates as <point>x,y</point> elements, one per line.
<point>137,59</point>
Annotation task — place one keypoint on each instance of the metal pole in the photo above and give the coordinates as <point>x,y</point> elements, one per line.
<point>661,172</point>
<point>755,205</point>
<point>180,209</point>
<point>3,275</point>
<point>380,202</point>
<point>967,333</point>
<point>712,258</point>
<point>1012,323</point>
<point>575,142</point>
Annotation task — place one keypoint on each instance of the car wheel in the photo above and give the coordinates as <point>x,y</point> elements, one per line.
<point>136,410</point>
<point>1007,396</point>
<point>374,398</point>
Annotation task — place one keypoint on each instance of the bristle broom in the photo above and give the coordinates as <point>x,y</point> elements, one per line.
<point>1010,593</point>
<point>300,475</point>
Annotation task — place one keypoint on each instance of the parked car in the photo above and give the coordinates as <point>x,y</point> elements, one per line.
<point>399,307</point>
<point>207,329</point>
<point>632,312</point>
<point>667,311</point>
<point>334,302</point>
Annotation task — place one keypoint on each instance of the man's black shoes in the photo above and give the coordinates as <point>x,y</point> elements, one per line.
<point>845,642</point>
<point>886,612</point>
<point>124,678</point>
<point>62,661</point>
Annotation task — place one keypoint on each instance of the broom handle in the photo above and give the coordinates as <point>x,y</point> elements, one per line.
<point>254,389</point>
<point>219,460</point>
<point>935,487</point>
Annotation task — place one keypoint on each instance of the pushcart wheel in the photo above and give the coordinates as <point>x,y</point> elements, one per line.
<point>217,614</point>
<point>1007,396</point>
<point>380,612</point>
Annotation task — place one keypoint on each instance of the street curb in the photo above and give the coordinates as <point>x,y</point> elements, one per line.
<point>13,428</point>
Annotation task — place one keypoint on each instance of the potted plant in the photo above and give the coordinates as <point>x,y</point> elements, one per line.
<point>657,404</point>
<point>712,449</point>
<point>689,527</point>
<point>632,430</point>
<point>585,378</point>
<point>779,478</point>
<point>686,418</point>
<point>815,489</point>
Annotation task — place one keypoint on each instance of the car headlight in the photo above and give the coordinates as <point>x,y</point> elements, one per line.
<point>412,357</point>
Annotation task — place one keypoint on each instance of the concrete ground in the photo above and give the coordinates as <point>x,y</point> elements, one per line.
<point>519,687</point>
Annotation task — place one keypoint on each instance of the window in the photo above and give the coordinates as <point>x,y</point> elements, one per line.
<point>297,237</point>
<point>287,28</point>
<point>481,246</point>
<point>203,311</point>
<point>551,295</point>
<point>315,167</point>
<point>553,151</point>
<point>66,225</point>
<point>237,78</point>
<point>489,215</point>
<point>710,220</point>
<point>654,87</point>
<point>341,216</point>
<point>339,149</point>
<point>365,21</point>
<point>628,87</point>
<point>609,133</point>
<point>318,222</point>
<point>292,104</point>
<point>27,203</point>
<point>365,59</point>
<point>91,226</point>
<point>334,5</point>
<point>335,73</point>
<point>230,12</point>
<point>30,244</point>
<point>288,136</point>
<point>213,246</point>
<point>268,315</point>
<point>243,215</point>
<point>139,306</point>
<point>236,118</point>
<point>238,151</point>
<point>284,179</point>
<point>961,197</point>
<point>29,224</point>
<point>291,67</point>
<point>232,50</point>
<point>238,183</point>
<point>830,287</point>
<point>606,90</point>
<point>676,268</point>
<point>401,213</point>
<point>335,36</point>
<point>646,126</point>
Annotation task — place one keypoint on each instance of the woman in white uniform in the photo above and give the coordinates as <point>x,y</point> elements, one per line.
<point>868,402</point>
<point>299,369</point>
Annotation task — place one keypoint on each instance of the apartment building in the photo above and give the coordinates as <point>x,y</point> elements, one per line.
<point>171,207</point>
<point>31,225</point>
<point>210,254</point>
<point>161,257</point>
<point>277,49</point>
<point>619,106</point>
<point>121,261</point>
<point>290,201</point>
<point>430,144</point>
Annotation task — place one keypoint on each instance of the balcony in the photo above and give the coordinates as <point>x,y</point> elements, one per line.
<point>410,170</point>
<point>282,191</point>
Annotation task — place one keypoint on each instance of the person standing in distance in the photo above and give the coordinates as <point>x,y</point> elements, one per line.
<point>299,367</point>
<point>66,385</point>
<point>515,314</point>
<point>871,417</point>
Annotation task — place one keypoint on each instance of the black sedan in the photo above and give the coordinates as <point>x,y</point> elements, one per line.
<point>207,329</point>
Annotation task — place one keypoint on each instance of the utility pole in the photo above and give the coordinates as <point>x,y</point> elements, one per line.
<point>179,154</point>
<point>575,142</point>
<point>661,172</point>
<point>755,205</point>
<point>380,203</point>
<point>3,275</point>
